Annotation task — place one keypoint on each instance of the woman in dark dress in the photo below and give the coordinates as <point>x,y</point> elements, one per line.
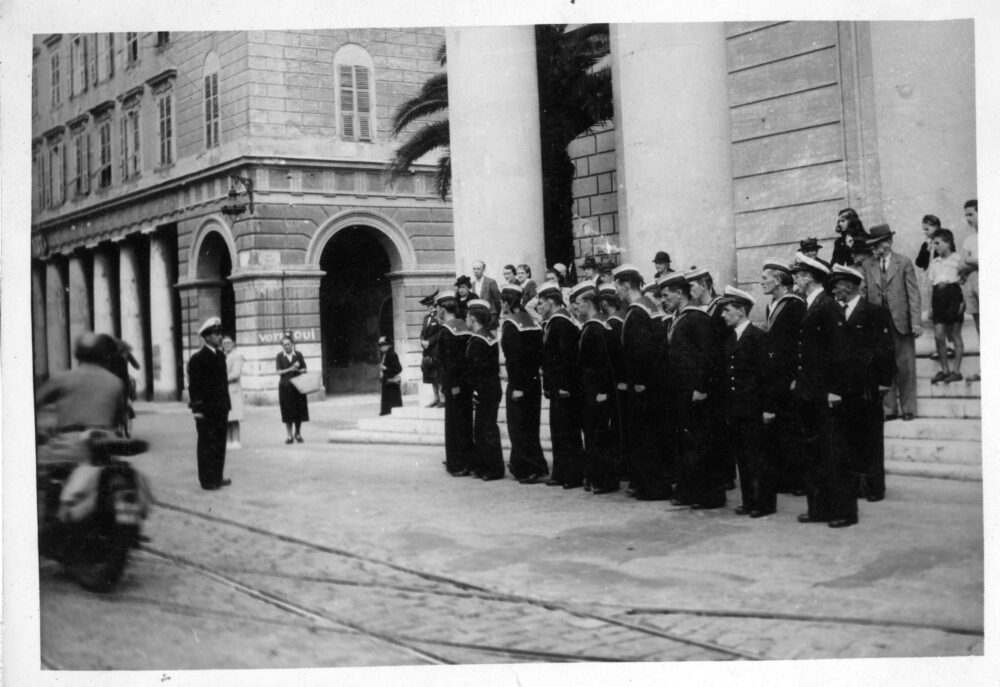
<point>389,376</point>
<point>294,406</point>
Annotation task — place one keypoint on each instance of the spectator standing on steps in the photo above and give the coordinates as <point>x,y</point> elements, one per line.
<point>970,267</point>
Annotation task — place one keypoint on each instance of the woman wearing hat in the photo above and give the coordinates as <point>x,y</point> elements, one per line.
<point>294,405</point>
<point>463,294</point>
<point>389,376</point>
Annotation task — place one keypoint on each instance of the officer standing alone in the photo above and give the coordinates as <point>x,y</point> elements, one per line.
<point>208,389</point>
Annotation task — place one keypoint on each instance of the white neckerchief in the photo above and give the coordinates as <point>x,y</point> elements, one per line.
<point>740,328</point>
<point>851,304</point>
<point>811,298</point>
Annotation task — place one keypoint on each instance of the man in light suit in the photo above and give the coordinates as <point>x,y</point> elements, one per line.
<point>485,287</point>
<point>891,282</point>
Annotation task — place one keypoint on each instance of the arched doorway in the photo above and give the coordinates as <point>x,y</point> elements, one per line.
<point>355,308</point>
<point>216,264</point>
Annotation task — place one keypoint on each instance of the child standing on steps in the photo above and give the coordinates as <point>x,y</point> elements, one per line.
<point>947,304</point>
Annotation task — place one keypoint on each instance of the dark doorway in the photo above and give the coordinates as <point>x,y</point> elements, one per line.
<point>354,296</point>
<point>215,263</point>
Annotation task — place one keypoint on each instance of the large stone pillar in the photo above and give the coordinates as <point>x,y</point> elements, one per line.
<point>495,148</point>
<point>79,298</point>
<point>161,317</point>
<point>38,324</point>
<point>129,275</point>
<point>672,136</point>
<point>56,323</point>
<point>104,312</point>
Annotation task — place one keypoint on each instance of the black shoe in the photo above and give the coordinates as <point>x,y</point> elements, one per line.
<point>533,479</point>
<point>225,482</point>
<point>491,478</point>
<point>761,513</point>
<point>289,440</point>
<point>710,505</point>
<point>209,487</point>
<point>875,498</point>
<point>805,517</point>
<point>843,522</point>
<point>679,502</point>
<point>572,485</point>
<point>298,438</point>
<point>743,510</point>
<point>553,483</point>
<point>630,492</point>
<point>460,473</point>
<point>646,496</point>
<point>891,417</point>
<point>907,417</point>
<point>604,490</point>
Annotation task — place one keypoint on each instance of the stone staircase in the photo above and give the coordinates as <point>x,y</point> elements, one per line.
<point>944,440</point>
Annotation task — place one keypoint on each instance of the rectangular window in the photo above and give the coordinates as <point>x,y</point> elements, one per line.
<point>80,182</point>
<point>166,128</point>
<point>131,48</point>
<point>355,103</point>
<point>36,180</point>
<point>104,156</point>
<point>43,182</point>
<point>56,176</point>
<point>130,160</point>
<point>56,94</point>
<point>212,110</point>
<point>92,59</point>
<point>105,56</point>
<point>79,59</point>
<point>162,38</point>
<point>34,90</point>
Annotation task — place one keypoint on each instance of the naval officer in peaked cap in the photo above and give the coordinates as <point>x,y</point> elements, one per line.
<point>208,391</point>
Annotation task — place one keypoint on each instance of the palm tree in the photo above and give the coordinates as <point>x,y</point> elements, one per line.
<point>431,101</point>
<point>574,96</point>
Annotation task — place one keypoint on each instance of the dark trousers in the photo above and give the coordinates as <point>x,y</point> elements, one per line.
<point>524,416</point>
<point>701,473</point>
<point>861,443</point>
<point>211,448</point>
<point>392,397</point>
<point>784,448</point>
<point>567,444</point>
<point>458,442</point>
<point>832,492</point>
<point>746,440</point>
<point>620,435</point>
<point>487,455</point>
<point>601,469</point>
<point>652,464</point>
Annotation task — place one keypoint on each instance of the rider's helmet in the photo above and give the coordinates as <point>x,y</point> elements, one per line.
<point>95,348</point>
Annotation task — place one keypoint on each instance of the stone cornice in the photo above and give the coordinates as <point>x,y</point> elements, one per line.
<point>78,121</point>
<point>161,81</point>
<point>52,39</point>
<point>286,274</point>
<point>54,132</point>
<point>131,97</point>
<point>99,109</point>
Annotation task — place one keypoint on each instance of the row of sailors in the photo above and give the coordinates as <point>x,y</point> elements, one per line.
<point>677,399</point>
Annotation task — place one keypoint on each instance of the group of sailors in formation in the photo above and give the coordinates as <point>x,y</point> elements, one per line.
<point>669,387</point>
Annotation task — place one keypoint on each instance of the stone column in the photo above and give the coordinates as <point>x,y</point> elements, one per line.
<point>104,313</point>
<point>79,299</point>
<point>161,318</point>
<point>56,323</point>
<point>133,332</point>
<point>495,148</point>
<point>672,137</point>
<point>38,324</point>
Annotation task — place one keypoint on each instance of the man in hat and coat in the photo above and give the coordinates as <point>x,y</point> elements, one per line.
<point>208,390</point>
<point>809,247</point>
<point>891,282</point>
<point>661,261</point>
<point>389,376</point>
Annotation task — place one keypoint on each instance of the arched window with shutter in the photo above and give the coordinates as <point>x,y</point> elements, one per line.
<point>355,93</point>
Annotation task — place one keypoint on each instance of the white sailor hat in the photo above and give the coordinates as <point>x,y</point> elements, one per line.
<point>210,326</point>
<point>625,270</point>
<point>581,288</point>
<point>696,273</point>
<point>448,295</point>
<point>607,289</point>
<point>818,268</point>
<point>777,264</point>
<point>478,303</point>
<point>514,288</point>
<point>651,287</point>
<point>671,280</point>
<point>549,288</point>
<point>733,295</point>
<point>843,272</point>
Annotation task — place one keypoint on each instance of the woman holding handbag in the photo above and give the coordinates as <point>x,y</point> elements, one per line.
<point>390,375</point>
<point>294,405</point>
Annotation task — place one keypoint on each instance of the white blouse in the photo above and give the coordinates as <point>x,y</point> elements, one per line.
<point>945,270</point>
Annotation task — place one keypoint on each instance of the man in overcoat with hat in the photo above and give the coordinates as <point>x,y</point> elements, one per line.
<point>208,390</point>
<point>891,282</point>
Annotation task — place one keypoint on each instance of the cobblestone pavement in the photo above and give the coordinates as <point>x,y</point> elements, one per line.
<point>365,556</point>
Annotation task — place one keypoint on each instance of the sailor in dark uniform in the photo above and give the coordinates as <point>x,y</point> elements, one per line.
<point>482,374</point>
<point>743,393</point>
<point>452,342</point>
<point>650,479</point>
<point>783,439</point>
<point>521,341</point>
<point>561,383</point>
<point>868,370</point>
<point>597,389</point>
<point>208,388</point>
<point>818,391</point>
<point>611,309</point>
<point>690,370</point>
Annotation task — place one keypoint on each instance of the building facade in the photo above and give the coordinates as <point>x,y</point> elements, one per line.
<point>183,175</point>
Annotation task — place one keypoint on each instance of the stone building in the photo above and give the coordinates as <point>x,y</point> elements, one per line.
<point>182,175</point>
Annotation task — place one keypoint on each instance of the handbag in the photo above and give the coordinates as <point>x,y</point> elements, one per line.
<point>394,380</point>
<point>307,382</point>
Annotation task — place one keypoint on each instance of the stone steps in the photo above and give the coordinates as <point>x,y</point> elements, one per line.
<point>927,368</point>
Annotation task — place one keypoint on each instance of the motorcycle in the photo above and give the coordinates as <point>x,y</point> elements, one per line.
<point>91,508</point>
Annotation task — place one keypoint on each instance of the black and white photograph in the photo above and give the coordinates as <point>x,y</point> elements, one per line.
<point>546,344</point>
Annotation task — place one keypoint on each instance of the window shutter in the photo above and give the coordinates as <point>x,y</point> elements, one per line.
<point>123,164</point>
<point>347,102</point>
<point>92,60</point>
<point>86,164</point>
<point>215,108</point>
<point>136,165</point>
<point>111,56</point>
<point>364,104</point>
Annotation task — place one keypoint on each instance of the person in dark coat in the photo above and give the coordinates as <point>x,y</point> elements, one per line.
<point>521,341</point>
<point>611,307</point>
<point>389,376</point>
<point>452,342</point>
<point>743,389</point>
<point>597,388</point>
<point>463,294</point>
<point>850,230</point>
<point>294,405</point>
<point>868,368</point>
<point>818,390</point>
<point>482,374</point>
<point>208,390</point>
<point>690,369</point>
<point>650,478</point>
<point>430,369</point>
<point>783,438</point>
<point>561,385</point>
